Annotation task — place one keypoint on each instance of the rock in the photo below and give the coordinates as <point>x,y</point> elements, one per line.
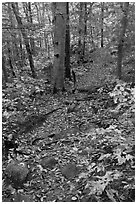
<point>16,174</point>
<point>48,162</point>
<point>70,170</point>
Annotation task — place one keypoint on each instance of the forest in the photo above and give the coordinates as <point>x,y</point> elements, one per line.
<point>68,102</point>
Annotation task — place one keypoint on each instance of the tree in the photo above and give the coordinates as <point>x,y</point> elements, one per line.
<point>59,20</point>
<point>28,13</point>
<point>85,30</point>
<point>67,45</point>
<point>21,27</point>
<point>14,37</point>
<point>10,61</point>
<point>91,36</point>
<point>124,22</point>
<point>22,53</point>
<point>102,22</point>
<point>93,25</point>
<point>80,31</point>
<point>5,74</point>
<point>31,21</point>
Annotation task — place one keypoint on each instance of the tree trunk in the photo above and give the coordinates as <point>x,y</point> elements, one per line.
<point>85,30</point>
<point>91,36</point>
<point>102,23</point>
<point>10,62</point>
<point>67,46</point>
<point>59,20</point>
<point>39,21</point>
<point>20,25</point>
<point>80,33</point>
<point>124,22</point>
<point>14,36</point>
<point>46,44</point>
<point>28,13</point>
<point>5,74</point>
<point>22,54</point>
<point>32,43</point>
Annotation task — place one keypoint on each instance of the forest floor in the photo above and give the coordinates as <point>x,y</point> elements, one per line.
<point>78,146</point>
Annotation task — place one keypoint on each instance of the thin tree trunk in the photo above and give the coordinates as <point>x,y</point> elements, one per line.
<point>32,43</point>
<point>85,30</point>
<point>67,46</point>
<point>38,19</point>
<point>91,39</point>
<point>46,41</point>
<point>14,36</point>
<point>20,25</point>
<point>124,22</point>
<point>102,22</point>
<point>10,62</point>
<point>22,54</point>
<point>5,74</point>
<point>80,33</point>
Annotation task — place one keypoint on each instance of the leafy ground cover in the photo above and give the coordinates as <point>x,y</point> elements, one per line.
<point>78,147</point>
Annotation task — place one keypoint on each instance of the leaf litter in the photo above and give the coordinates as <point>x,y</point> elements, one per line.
<point>80,146</point>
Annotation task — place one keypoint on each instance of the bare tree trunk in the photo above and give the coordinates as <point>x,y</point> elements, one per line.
<point>67,46</point>
<point>124,22</point>
<point>14,36</point>
<point>39,21</point>
<point>22,54</point>
<point>5,74</point>
<point>91,31</point>
<point>80,33</point>
<point>10,61</point>
<point>28,13</point>
<point>102,22</point>
<point>20,25</point>
<point>32,43</point>
<point>46,41</point>
<point>85,30</point>
<point>59,12</point>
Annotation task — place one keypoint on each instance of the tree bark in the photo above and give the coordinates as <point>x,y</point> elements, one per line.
<point>22,53</point>
<point>32,43</point>
<point>91,36</point>
<point>39,21</point>
<point>28,13</point>
<point>59,20</point>
<point>10,61</point>
<point>20,25</point>
<point>5,74</point>
<point>124,22</point>
<point>85,30</point>
<point>102,23</point>
<point>14,37</point>
<point>67,46</point>
<point>80,33</point>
